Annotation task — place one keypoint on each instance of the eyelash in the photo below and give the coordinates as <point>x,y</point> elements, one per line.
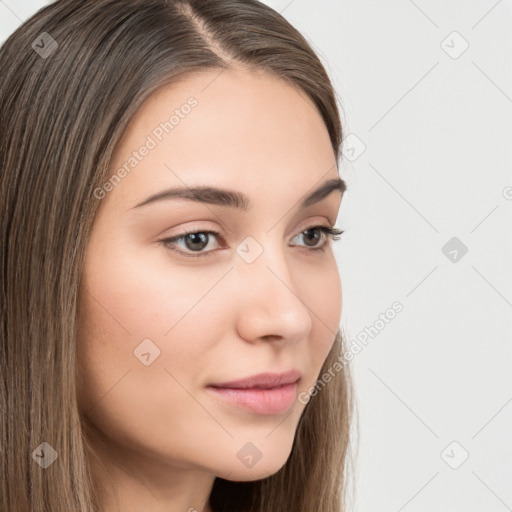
<point>330,231</point>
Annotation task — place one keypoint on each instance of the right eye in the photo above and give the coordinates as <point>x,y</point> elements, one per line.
<point>193,241</point>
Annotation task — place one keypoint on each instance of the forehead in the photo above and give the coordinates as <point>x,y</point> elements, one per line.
<point>234,128</point>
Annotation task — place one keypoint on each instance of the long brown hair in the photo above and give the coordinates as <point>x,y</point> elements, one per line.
<point>72,77</point>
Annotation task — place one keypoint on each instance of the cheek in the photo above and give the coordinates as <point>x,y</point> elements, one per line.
<point>127,302</point>
<point>322,294</point>
<point>154,408</point>
<point>321,291</point>
<point>139,293</point>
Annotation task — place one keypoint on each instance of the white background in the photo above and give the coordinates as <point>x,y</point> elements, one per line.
<point>435,125</point>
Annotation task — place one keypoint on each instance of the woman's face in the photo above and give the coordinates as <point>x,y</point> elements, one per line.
<point>161,322</point>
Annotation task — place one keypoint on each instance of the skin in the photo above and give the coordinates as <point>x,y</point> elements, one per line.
<point>161,438</point>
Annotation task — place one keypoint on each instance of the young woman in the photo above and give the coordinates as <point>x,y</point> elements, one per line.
<point>170,298</point>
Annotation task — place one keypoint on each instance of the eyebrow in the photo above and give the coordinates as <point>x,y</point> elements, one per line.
<point>230,198</point>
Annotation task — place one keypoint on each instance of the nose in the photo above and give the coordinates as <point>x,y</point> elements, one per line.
<point>270,304</point>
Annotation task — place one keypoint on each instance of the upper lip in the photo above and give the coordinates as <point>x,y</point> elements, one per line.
<point>262,381</point>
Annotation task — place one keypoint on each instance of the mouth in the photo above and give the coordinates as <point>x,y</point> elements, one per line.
<point>265,394</point>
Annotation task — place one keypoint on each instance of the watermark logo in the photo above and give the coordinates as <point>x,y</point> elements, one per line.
<point>146,352</point>
<point>352,147</point>
<point>454,45</point>
<point>44,45</point>
<point>455,455</point>
<point>45,455</point>
<point>249,454</point>
<point>454,249</point>
<point>249,249</point>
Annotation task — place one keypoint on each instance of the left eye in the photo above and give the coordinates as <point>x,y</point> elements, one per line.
<point>315,234</point>
<point>196,241</point>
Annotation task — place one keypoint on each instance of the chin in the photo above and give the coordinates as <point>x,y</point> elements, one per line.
<point>255,462</point>
<point>255,473</point>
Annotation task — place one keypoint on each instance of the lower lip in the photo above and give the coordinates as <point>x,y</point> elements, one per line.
<point>260,401</point>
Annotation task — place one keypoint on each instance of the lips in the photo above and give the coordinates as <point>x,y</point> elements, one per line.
<point>264,394</point>
<point>262,381</point>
